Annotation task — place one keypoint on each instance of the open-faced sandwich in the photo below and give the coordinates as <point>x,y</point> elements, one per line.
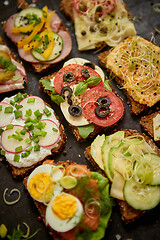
<point>73,201</point>
<point>30,131</point>
<point>41,37</point>
<point>98,23</point>
<point>151,124</point>
<point>87,101</point>
<point>12,72</point>
<point>131,161</point>
<point>136,67</point>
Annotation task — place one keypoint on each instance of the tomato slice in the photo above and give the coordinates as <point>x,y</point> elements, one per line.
<point>76,69</point>
<point>93,7</point>
<point>89,103</point>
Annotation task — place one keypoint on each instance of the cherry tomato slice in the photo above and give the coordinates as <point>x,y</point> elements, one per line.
<point>77,71</point>
<point>89,103</point>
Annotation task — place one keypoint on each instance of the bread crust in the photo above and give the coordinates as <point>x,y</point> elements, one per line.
<point>74,129</point>
<point>128,213</point>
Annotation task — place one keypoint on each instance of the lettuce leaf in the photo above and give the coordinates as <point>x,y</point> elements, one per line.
<point>106,210</point>
<point>84,131</point>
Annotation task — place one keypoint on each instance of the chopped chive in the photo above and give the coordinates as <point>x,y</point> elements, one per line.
<point>24,154</point>
<point>38,114</point>
<point>0,107</point>
<point>12,102</point>
<point>1,131</point>
<point>25,95</point>
<point>31,100</point>
<point>27,140</point>
<point>2,152</point>
<point>28,113</point>
<point>18,149</point>
<point>35,139</point>
<point>8,110</point>
<point>23,132</point>
<point>47,112</point>
<point>18,97</point>
<point>43,133</point>
<point>37,148</point>
<point>17,114</point>
<point>38,50</point>
<point>18,106</point>
<point>9,126</point>
<point>29,149</point>
<point>18,131</point>
<point>55,129</point>
<point>16,137</point>
<point>16,158</point>
<point>40,125</point>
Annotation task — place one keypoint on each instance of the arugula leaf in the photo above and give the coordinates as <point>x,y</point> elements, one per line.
<point>84,131</point>
<point>16,235</point>
<point>57,99</point>
<point>46,83</point>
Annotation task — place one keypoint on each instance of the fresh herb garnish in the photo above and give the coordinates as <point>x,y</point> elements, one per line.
<point>57,99</point>
<point>90,82</point>
<point>7,64</point>
<point>46,83</point>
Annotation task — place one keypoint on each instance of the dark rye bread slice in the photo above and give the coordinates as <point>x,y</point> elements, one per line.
<point>147,125</point>
<point>74,129</point>
<point>135,107</point>
<point>39,66</point>
<point>22,172</point>
<point>128,213</point>
<point>42,208</point>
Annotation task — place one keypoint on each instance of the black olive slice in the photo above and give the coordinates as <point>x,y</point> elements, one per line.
<point>68,77</point>
<point>90,64</point>
<point>102,111</point>
<point>75,110</point>
<point>64,89</point>
<point>85,73</point>
<point>104,101</point>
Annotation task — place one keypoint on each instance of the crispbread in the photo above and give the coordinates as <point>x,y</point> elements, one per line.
<point>128,213</point>
<point>139,102</point>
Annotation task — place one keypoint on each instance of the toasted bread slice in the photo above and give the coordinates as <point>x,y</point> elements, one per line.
<point>130,71</point>
<point>147,125</point>
<point>97,128</point>
<point>21,171</point>
<point>36,62</point>
<point>128,213</point>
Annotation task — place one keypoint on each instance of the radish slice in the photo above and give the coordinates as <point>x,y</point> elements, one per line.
<point>5,118</point>
<point>52,136</point>
<point>38,104</point>
<point>10,144</point>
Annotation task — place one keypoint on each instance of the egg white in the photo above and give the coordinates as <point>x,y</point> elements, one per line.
<point>60,225</point>
<point>47,168</point>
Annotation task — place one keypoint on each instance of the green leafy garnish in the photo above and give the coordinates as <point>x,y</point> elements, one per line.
<point>18,149</point>
<point>7,64</point>
<point>55,129</point>
<point>17,114</point>
<point>84,131</point>
<point>16,159</point>
<point>8,109</point>
<point>9,126</point>
<point>0,107</point>
<point>47,112</point>
<point>28,113</point>
<point>107,86</point>
<point>37,148</point>
<point>57,99</point>
<point>18,97</point>
<point>46,83</point>
<point>90,82</point>
<point>39,50</point>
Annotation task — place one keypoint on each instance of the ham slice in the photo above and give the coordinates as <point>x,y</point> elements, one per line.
<point>67,46</point>
<point>55,26</point>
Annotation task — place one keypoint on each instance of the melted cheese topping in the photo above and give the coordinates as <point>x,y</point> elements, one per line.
<point>112,29</point>
<point>136,62</point>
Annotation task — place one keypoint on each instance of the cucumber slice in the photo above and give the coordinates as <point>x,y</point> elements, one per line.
<point>27,16</point>
<point>140,196</point>
<point>147,168</point>
<point>57,48</point>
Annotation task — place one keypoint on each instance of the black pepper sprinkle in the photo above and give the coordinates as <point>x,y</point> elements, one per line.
<point>141,92</point>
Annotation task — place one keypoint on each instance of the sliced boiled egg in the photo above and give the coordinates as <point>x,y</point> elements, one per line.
<point>64,212</point>
<point>41,183</point>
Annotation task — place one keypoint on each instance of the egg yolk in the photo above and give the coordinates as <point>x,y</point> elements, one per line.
<point>40,186</point>
<point>64,206</point>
